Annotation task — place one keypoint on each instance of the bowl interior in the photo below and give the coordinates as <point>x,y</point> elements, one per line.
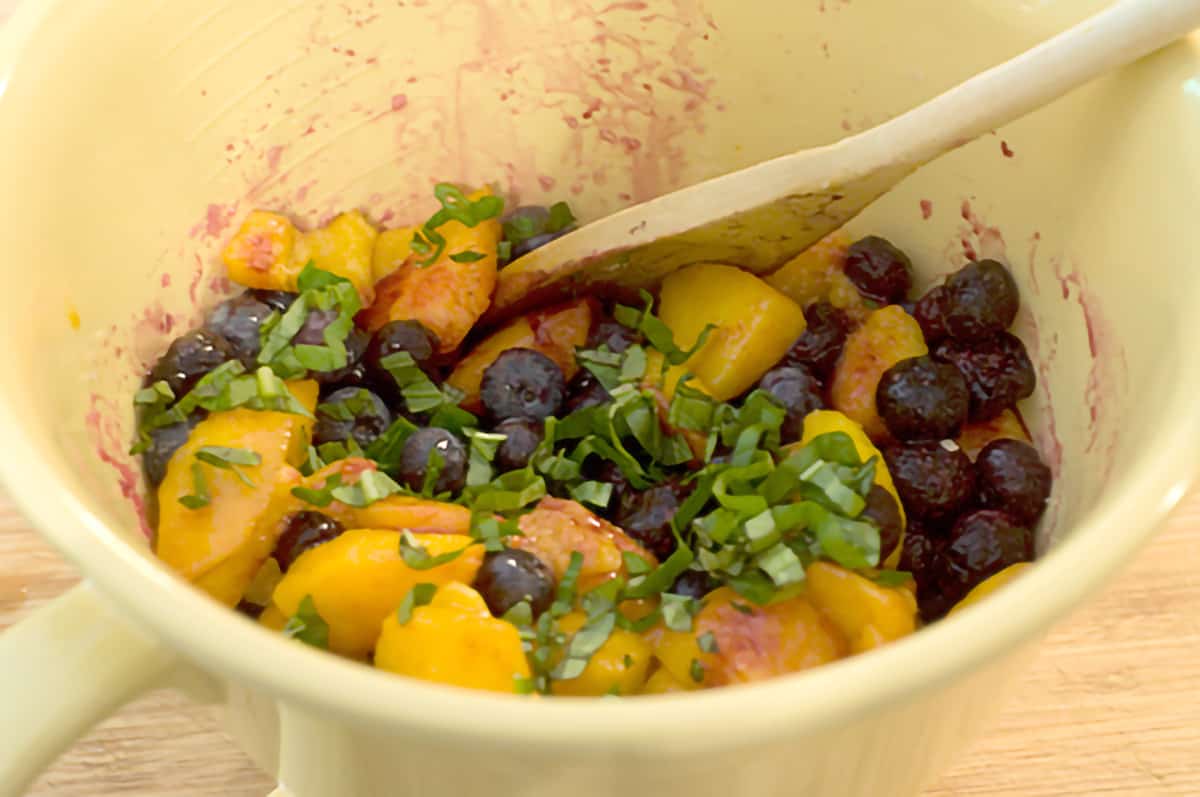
<point>133,141</point>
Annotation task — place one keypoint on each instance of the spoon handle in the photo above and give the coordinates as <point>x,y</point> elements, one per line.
<point>1126,31</point>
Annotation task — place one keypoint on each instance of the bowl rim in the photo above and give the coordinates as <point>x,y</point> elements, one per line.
<point>226,643</point>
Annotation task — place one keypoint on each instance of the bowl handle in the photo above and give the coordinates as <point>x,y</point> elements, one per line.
<point>66,667</point>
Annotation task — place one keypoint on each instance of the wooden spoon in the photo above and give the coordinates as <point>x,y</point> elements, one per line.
<point>761,216</point>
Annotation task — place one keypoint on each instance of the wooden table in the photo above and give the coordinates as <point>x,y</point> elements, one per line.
<point>1111,707</point>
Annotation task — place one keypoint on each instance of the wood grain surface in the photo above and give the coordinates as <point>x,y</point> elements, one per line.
<point>1111,706</point>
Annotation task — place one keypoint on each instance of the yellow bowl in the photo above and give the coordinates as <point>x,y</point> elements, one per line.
<point>133,134</point>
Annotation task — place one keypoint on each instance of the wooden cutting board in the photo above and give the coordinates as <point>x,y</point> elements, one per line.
<point>1111,707</point>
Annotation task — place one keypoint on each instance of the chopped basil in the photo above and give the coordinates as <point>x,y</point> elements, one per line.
<point>523,685</point>
<point>691,409</point>
<point>707,642</point>
<point>229,459</point>
<point>627,661</point>
<point>468,256</point>
<point>657,333</point>
<point>417,557</point>
<point>372,486</point>
<point>741,607</point>
<point>603,364</point>
<point>389,446</point>
<point>199,497</point>
<point>508,492</point>
<point>435,461</point>
<point>319,291</point>
<point>662,577</point>
<point>419,391</point>
<point>307,625</point>
<point>852,544</point>
<point>891,578</point>
<point>598,494</point>
<point>455,206</point>
<point>565,597</point>
<point>491,532</point>
<point>154,399</point>
<point>321,497</point>
<point>420,595</point>
<point>696,670</point>
<point>781,564</point>
<point>561,217</point>
<point>481,453</point>
<point>519,614</point>
<point>603,598</point>
<point>754,587</point>
<point>520,228</point>
<point>635,565</point>
<point>584,643</point>
<point>678,611</point>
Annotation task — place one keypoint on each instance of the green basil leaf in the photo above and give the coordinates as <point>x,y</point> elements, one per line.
<point>891,578</point>
<point>662,577</point>
<point>417,557</point>
<point>307,625</point>
<point>199,497</point>
<point>223,457</point>
<point>584,643</point>
<point>597,494</point>
<point>852,544</point>
<point>420,595</point>
<point>678,611</point>
<point>561,217</point>
<point>754,587</point>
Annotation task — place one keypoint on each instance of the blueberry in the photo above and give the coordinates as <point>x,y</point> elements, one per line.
<point>188,358</point>
<point>694,584</point>
<point>982,543</point>
<point>239,320</point>
<point>1013,478</point>
<point>526,227</point>
<point>584,391</point>
<point>935,481</point>
<point>617,337</point>
<point>312,333</point>
<point>164,442</point>
<point>883,511</point>
<point>397,336</point>
<point>511,576</point>
<point>351,413</point>
<point>921,556</point>
<point>304,531</point>
<point>522,437</point>
<point>278,301</point>
<point>931,314</point>
<point>981,299</point>
<point>394,337</point>
<point>523,383</point>
<point>880,271</point>
<point>354,372</point>
<point>799,392</point>
<point>922,399</point>
<point>820,345</point>
<point>416,455</point>
<point>998,371</point>
<point>646,515</point>
<point>607,472</point>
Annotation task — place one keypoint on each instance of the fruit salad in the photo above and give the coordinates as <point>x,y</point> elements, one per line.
<point>728,479</point>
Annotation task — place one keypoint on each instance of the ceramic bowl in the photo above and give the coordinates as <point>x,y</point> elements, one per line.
<point>134,135</point>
